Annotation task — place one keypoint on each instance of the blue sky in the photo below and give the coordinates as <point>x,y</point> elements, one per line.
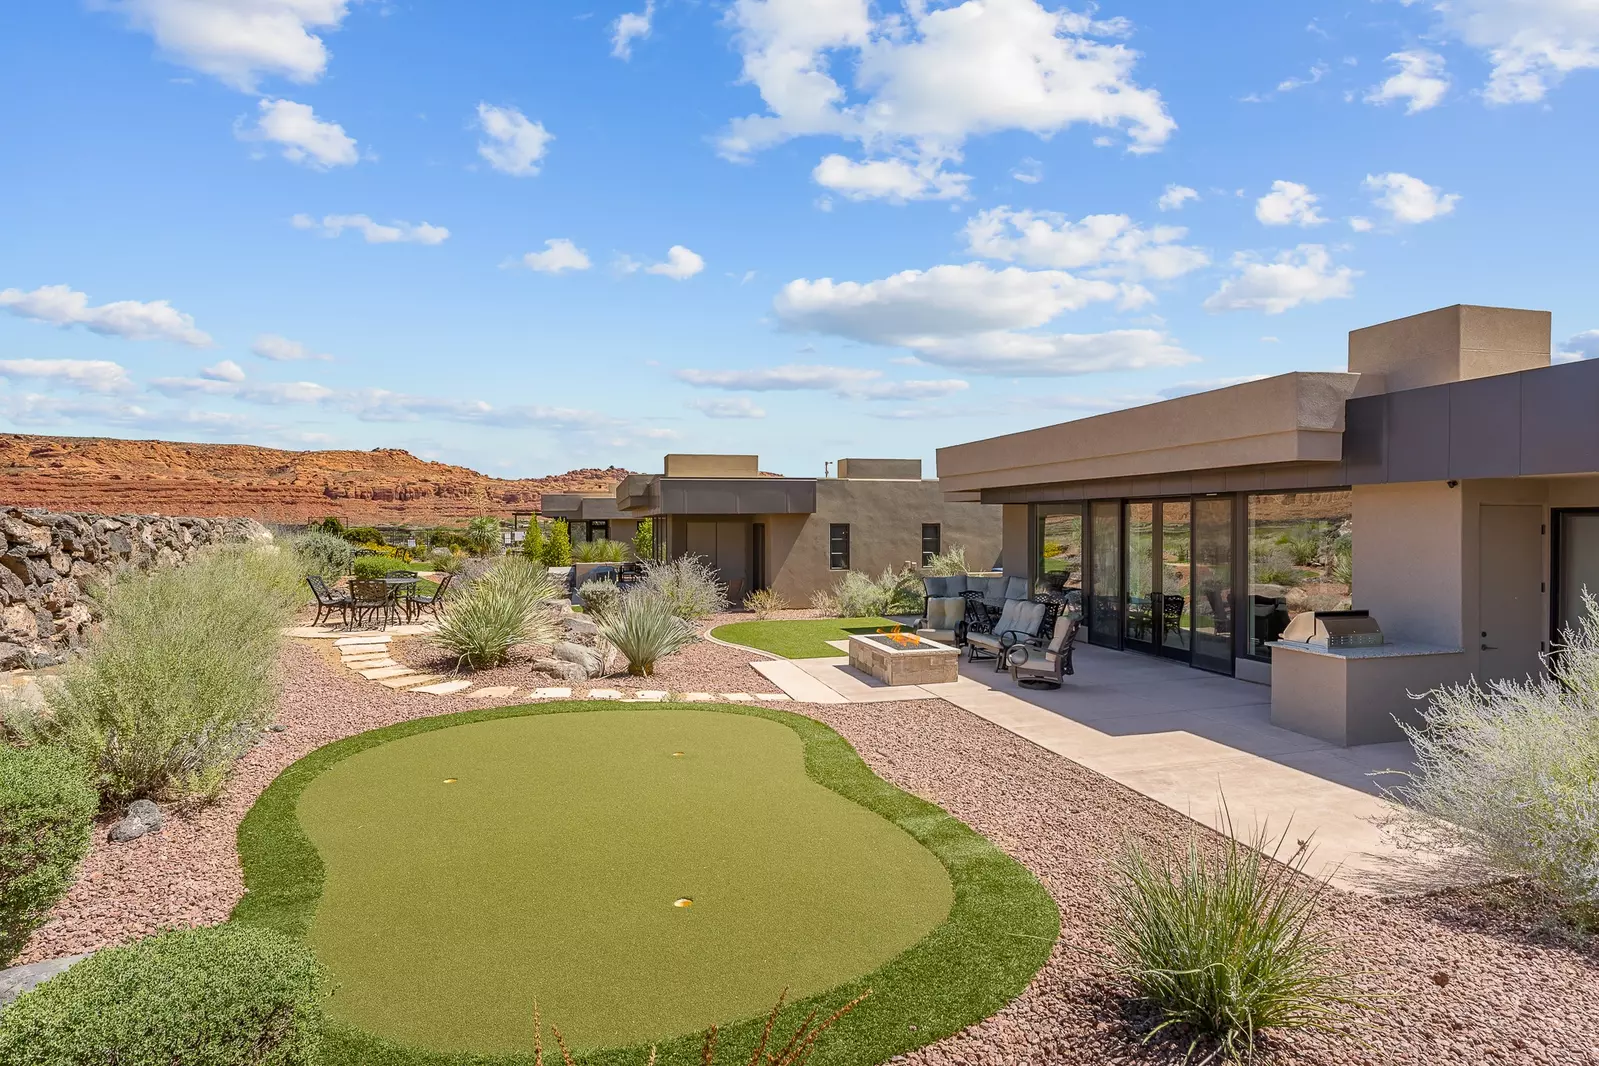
<point>533,236</point>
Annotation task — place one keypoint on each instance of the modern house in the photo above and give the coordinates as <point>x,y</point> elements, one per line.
<point>1448,483</point>
<point>798,535</point>
<point>589,516</point>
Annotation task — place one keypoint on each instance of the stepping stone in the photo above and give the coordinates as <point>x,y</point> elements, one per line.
<point>773,697</point>
<point>409,680</point>
<point>737,697</point>
<point>604,694</point>
<point>649,696</point>
<point>495,692</point>
<point>365,656</point>
<point>351,642</point>
<point>386,671</point>
<point>377,663</point>
<point>552,693</point>
<point>444,688</point>
<point>696,697</point>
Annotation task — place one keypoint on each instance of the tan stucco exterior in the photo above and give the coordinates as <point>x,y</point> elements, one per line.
<point>1450,344</point>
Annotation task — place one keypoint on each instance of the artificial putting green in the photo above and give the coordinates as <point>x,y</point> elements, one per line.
<point>548,868</point>
<point>801,638</point>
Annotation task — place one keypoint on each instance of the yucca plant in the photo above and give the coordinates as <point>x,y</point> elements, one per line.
<point>507,606</point>
<point>645,630</point>
<point>599,551</point>
<point>1224,943</point>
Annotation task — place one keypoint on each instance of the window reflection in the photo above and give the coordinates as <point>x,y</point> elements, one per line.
<point>1301,554</point>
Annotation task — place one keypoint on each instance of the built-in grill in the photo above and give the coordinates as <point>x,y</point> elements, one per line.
<point>1334,629</point>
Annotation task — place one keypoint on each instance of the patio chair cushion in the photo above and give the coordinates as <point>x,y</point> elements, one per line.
<point>1016,588</point>
<point>1028,619</point>
<point>955,585</point>
<point>945,612</point>
<point>993,589</point>
<point>935,586</point>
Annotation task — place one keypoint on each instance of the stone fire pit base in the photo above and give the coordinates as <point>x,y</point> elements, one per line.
<point>925,662</point>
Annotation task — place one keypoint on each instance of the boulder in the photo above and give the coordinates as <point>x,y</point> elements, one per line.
<point>583,656</point>
<point>147,812</point>
<point>20,979</point>
<point>560,668</point>
<point>14,657</point>
<point>143,817</point>
<point>579,627</point>
<point>130,828</point>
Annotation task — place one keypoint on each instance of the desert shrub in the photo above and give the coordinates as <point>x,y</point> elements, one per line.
<point>1224,943</point>
<point>482,535</point>
<point>47,807</point>
<point>825,601</point>
<point>1303,544</point>
<point>644,539</point>
<point>444,537</point>
<point>446,561</point>
<point>507,606</point>
<point>369,566</point>
<point>327,525</point>
<point>533,542</point>
<point>599,551</point>
<point>1343,568</point>
<point>1274,566</point>
<point>688,585</point>
<point>600,598</point>
<point>323,554</point>
<point>558,548</point>
<point>231,995</point>
<point>947,563</point>
<point>1510,771</point>
<point>178,682</point>
<point>859,596</point>
<point>645,629</point>
<point>364,535</point>
<point>765,603</point>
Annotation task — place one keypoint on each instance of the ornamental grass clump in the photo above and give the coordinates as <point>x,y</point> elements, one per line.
<point>47,807</point>
<point>688,585</point>
<point>178,682</point>
<point>645,629</point>
<point>947,563</point>
<point>232,995</point>
<point>508,605</point>
<point>1223,943</point>
<point>1510,772</point>
<point>599,551</point>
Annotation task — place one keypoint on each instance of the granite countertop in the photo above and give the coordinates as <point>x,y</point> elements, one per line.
<point>1394,650</point>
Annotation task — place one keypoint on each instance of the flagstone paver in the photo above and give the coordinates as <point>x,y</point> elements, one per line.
<point>552,693</point>
<point>409,680</point>
<point>444,688</point>
<point>493,692</point>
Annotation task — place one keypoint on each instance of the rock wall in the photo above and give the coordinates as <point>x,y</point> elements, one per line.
<point>47,559</point>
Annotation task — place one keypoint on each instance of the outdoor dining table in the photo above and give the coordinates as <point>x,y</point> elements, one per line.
<point>399,587</point>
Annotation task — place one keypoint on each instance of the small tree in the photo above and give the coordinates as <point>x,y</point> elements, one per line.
<point>558,549</point>
<point>483,535</point>
<point>644,540</point>
<point>329,525</point>
<point>533,542</point>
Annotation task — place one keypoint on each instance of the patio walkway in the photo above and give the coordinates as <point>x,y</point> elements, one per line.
<point>1186,739</point>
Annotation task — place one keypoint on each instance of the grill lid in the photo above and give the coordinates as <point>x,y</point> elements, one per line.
<point>1334,629</point>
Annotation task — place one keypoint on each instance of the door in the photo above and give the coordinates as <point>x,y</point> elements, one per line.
<point>1212,580</point>
<point>1105,573</point>
<point>1174,599</point>
<point>1576,568</point>
<point>1510,610</point>
<point>1139,626</point>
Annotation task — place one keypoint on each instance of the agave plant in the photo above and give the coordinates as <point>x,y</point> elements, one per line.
<point>645,630</point>
<point>505,607</point>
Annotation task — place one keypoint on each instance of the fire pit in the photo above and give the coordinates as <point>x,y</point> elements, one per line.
<point>904,658</point>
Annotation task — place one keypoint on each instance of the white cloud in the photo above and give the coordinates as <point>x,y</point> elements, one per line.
<point>559,255</point>
<point>305,138</point>
<point>1111,245</point>
<point>629,27</point>
<point>730,407</point>
<point>1057,354</point>
<point>374,232</point>
<point>895,180</point>
<point>680,264</point>
<point>88,375</point>
<point>226,370</point>
<point>62,306</point>
<point>1288,204</point>
<point>1175,197</point>
<point>1361,224</point>
<point>1532,44</point>
<point>266,393</point>
<point>1317,72</point>
<point>239,41</point>
<point>515,144</point>
<point>1584,345</point>
<point>1420,81</point>
<point>1301,275</point>
<point>843,381</point>
<point>1409,200</point>
<point>283,350</point>
<point>926,78</point>
<point>1029,171</point>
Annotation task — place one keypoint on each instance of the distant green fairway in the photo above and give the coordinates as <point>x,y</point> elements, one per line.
<point>800,638</point>
<point>452,870</point>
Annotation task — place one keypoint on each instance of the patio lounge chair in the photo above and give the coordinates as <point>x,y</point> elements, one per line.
<point>369,603</point>
<point>1021,622</point>
<point>416,603</point>
<point>1043,667</point>
<point>328,600</point>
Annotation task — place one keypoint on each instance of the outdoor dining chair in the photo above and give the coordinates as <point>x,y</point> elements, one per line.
<point>328,600</point>
<point>417,602</point>
<point>369,603</point>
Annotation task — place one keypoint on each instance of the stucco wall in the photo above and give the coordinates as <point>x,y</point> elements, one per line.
<point>1408,560</point>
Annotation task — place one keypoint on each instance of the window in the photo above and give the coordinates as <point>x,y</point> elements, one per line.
<point>838,547</point>
<point>1301,558</point>
<point>1058,552</point>
<point>599,530</point>
<point>932,541</point>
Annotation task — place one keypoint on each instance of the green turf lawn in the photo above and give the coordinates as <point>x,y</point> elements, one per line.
<point>549,868</point>
<point>800,638</point>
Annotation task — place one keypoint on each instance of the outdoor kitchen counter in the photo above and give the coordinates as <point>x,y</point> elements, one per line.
<point>1352,696</point>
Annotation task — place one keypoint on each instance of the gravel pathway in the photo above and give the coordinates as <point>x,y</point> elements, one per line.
<point>1459,988</point>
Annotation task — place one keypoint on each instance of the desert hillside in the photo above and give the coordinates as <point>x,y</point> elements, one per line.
<point>383,486</point>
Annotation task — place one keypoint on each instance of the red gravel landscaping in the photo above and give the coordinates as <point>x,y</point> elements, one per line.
<point>1456,987</point>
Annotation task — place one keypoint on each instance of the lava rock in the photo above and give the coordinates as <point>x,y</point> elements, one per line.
<point>130,828</point>
<point>147,812</point>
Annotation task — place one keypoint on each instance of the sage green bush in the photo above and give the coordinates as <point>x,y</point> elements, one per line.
<point>178,682</point>
<point>370,566</point>
<point>645,629</point>
<point>47,808</point>
<point>688,585</point>
<point>231,995</point>
<point>507,606</point>
<point>600,598</point>
<point>323,554</point>
<point>947,563</point>
<point>858,596</point>
<point>1224,943</point>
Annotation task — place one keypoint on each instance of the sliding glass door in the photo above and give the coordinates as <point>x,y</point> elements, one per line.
<point>1212,581</point>
<point>1105,573</point>
<point>1139,627</point>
